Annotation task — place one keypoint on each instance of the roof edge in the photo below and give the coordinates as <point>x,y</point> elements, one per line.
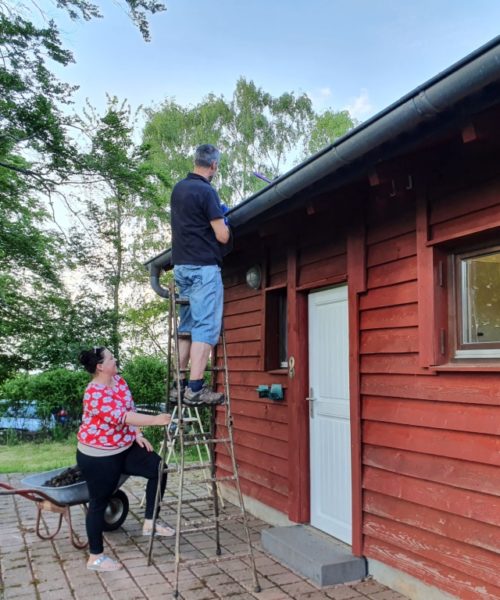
<point>462,79</point>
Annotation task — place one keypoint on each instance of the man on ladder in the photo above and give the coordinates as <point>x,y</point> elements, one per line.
<point>199,234</point>
<point>200,238</point>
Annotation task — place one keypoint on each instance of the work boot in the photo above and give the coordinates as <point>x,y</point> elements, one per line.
<point>173,390</point>
<point>204,396</point>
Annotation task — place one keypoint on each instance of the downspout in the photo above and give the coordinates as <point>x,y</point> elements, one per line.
<point>154,279</point>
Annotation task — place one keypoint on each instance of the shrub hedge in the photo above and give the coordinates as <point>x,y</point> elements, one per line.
<point>63,388</point>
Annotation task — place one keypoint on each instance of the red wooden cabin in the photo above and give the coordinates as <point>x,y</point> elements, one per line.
<point>378,312</point>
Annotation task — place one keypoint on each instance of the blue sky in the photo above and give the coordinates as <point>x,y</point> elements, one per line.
<point>356,54</point>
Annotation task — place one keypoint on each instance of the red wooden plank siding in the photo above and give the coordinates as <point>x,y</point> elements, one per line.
<point>426,444</point>
<point>431,442</point>
<point>317,255</point>
<point>436,415</point>
<point>455,582</point>
<point>322,252</point>
<point>260,426</point>
<point>449,525</point>
<point>457,204</point>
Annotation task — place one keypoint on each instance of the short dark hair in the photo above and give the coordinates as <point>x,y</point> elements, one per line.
<point>91,358</point>
<point>205,155</point>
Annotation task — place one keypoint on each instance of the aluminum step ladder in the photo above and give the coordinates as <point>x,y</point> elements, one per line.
<point>192,418</point>
<point>185,498</point>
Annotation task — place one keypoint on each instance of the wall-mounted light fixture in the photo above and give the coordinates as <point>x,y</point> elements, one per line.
<point>254,277</point>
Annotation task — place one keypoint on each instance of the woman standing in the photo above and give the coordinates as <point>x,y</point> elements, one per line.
<point>109,445</point>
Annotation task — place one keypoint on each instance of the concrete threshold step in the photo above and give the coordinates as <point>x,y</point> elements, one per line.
<point>313,554</point>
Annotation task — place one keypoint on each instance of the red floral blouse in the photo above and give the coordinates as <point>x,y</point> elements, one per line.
<point>104,410</point>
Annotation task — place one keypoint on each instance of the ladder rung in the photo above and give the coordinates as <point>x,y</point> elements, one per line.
<point>176,468</point>
<point>208,369</point>
<point>208,441</point>
<point>218,479</point>
<point>215,559</point>
<point>189,500</point>
<point>210,521</point>
<point>198,529</point>
<point>199,435</point>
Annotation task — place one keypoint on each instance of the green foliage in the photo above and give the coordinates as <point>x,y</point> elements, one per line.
<point>254,131</point>
<point>116,209</point>
<point>39,322</point>
<point>327,127</point>
<point>30,95</point>
<point>51,390</point>
<point>146,377</point>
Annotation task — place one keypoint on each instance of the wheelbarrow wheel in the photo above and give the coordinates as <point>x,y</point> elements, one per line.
<point>116,511</point>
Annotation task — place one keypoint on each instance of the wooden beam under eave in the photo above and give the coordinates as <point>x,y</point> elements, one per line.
<point>356,284</point>
<point>374,178</point>
<point>469,134</point>
<point>298,409</point>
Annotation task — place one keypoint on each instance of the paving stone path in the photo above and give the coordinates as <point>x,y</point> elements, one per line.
<point>35,569</point>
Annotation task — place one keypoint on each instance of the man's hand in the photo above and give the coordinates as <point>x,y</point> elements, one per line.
<point>221,231</point>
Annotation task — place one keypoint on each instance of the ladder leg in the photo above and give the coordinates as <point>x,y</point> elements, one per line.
<point>179,511</point>
<point>213,473</point>
<point>229,425</point>
<point>161,466</point>
<point>180,433</point>
<point>197,437</point>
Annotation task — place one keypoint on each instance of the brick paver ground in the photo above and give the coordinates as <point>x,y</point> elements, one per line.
<point>35,569</point>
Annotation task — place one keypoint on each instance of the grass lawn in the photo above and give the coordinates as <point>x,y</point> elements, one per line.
<point>33,457</point>
<point>30,457</point>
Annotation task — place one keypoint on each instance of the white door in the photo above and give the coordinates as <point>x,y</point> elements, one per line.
<point>329,419</point>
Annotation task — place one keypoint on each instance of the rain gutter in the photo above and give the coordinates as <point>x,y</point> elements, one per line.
<point>464,78</point>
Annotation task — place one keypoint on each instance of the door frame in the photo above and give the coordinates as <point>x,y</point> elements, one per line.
<point>299,508</point>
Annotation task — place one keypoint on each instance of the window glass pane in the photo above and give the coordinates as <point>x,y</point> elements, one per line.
<point>481,299</point>
<point>276,349</point>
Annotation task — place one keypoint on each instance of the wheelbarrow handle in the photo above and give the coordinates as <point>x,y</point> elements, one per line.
<point>34,495</point>
<point>45,502</point>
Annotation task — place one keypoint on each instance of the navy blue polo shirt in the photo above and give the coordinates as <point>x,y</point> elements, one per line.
<point>194,203</point>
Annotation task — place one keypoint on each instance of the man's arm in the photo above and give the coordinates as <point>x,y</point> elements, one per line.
<point>221,231</point>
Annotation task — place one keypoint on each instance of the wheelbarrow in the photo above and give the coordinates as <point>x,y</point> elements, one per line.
<point>60,500</point>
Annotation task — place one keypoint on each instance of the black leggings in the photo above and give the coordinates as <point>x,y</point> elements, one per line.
<point>102,474</point>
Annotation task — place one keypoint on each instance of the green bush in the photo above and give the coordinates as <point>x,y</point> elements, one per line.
<point>51,390</point>
<point>64,388</point>
<point>147,379</point>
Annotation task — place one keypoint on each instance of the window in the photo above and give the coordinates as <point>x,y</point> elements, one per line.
<point>477,295</point>
<point>276,350</point>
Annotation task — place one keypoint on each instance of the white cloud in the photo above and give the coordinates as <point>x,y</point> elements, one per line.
<point>360,108</point>
<point>321,98</point>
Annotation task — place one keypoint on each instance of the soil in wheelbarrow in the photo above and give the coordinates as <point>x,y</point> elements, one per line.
<point>68,477</point>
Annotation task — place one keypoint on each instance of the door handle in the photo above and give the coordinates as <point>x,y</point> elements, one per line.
<point>311,400</point>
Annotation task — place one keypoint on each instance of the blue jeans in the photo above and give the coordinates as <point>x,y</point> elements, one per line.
<point>202,285</point>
